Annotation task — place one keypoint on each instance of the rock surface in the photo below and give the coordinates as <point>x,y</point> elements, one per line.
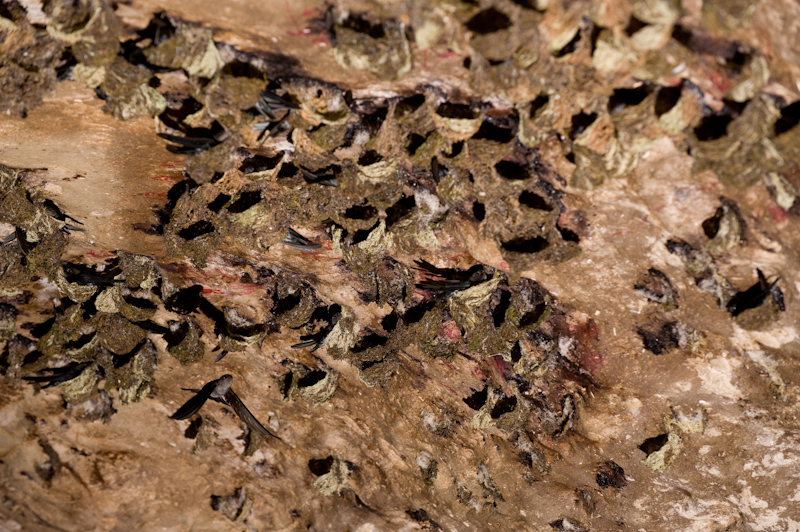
<point>555,288</point>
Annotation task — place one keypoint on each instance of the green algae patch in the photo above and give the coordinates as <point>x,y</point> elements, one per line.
<point>335,480</point>
<point>191,48</point>
<point>128,94</point>
<point>190,348</point>
<point>316,386</point>
<point>117,334</point>
<point>386,52</point>
<point>82,387</point>
<point>140,270</point>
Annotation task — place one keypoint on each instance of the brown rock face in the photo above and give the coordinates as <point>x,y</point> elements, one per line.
<point>498,265</point>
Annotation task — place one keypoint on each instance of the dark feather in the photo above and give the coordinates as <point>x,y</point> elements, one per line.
<point>245,415</point>
<point>193,405</point>
<point>56,376</point>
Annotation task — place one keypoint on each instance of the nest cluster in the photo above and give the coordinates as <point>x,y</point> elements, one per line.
<point>271,153</point>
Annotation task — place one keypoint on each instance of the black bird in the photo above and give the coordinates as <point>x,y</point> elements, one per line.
<point>91,275</point>
<point>444,282</point>
<point>326,177</point>
<point>220,390</point>
<point>320,338</point>
<point>191,145</point>
<point>55,376</point>
<point>185,301</point>
<point>298,241</point>
<point>755,296</point>
<point>270,102</point>
<point>53,211</point>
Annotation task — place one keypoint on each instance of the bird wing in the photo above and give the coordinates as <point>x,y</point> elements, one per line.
<point>245,415</point>
<point>193,405</point>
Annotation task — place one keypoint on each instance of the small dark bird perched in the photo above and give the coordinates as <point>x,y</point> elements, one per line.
<point>91,275</point>
<point>269,102</point>
<point>185,300</point>
<point>320,338</point>
<point>192,145</point>
<point>55,376</point>
<point>298,241</point>
<point>444,282</point>
<point>756,295</point>
<point>220,390</point>
<point>53,211</point>
<point>326,177</point>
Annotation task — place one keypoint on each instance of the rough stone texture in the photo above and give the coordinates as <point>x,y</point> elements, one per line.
<point>658,404</point>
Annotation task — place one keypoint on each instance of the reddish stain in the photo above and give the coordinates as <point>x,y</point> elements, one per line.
<point>154,194</point>
<point>504,266</point>
<point>101,255</point>
<point>478,374</point>
<point>449,389</point>
<point>778,214</point>
<point>720,83</point>
<point>161,178</point>
<point>450,331</point>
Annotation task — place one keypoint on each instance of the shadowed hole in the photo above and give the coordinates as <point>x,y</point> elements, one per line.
<point>666,99</point>
<point>218,203</point>
<point>651,445</point>
<point>362,234</point>
<point>287,303</point>
<point>287,170</point>
<point>259,163</point>
<point>623,98</point>
<point>511,170</point>
<point>634,25</point>
<point>455,150</point>
<point>193,428</point>
<point>417,312</point>
<point>414,143</point>
<point>570,47</point>
<point>245,201</point>
<point>368,342</point>
<point>530,318</point>
<point>790,117</point>
<point>80,342</point>
<point>477,399</point>
<point>488,21</point>
<point>311,378</point>
<point>713,127</point>
<point>140,302</point>
<point>499,311</point>
<point>537,104</point>
<point>504,406</point>
<point>479,211</point>
<point>526,245</point>
<point>490,130</point>
<point>197,229</point>
<point>369,157</point>
<point>580,122</point>
<point>361,25</point>
<point>320,466</point>
<point>568,235</point>
<point>404,206</point>
<point>360,212</point>
<point>286,384</point>
<point>456,110</point>
<point>389,322</point>
<point>406,106</point>
<point>711,225</point>
<point>534,201</point>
